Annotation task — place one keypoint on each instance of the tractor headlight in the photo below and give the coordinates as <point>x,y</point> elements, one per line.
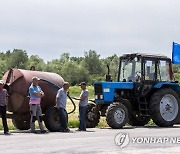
<point>96,96</point>
<point>101,96</point>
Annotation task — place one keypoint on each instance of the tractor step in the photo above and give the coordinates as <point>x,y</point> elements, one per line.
<point>143,106</point>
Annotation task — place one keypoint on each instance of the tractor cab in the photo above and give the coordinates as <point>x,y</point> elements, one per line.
<point>145,71</point>
<point>144,67</point>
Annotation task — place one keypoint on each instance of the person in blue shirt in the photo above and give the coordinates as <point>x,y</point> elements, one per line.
<point>35,94</point>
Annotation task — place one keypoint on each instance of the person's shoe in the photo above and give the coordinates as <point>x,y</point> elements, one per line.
<point>67,130</point>
<point>7,133</point>
<point>79,129</point>
<point>44,131</point>
<point>33,131</point>
<point>84,130</point>
<point>61,130</point>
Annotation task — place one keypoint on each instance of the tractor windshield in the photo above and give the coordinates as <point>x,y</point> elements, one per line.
<point>130,70</point>
<point>163,71</point>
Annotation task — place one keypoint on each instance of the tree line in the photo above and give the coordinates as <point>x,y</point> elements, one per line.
<point>89,68</point>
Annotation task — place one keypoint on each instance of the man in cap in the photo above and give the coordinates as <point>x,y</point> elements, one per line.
<point>61,100</point>
<point>3,103</point>
<point>83,101</point>
<point>36,94</point>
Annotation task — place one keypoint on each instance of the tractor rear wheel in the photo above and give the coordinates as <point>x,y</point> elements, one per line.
<point>92,117</point>
<point>138,121</point>
<point>164,107</point>
<point>117,115</point>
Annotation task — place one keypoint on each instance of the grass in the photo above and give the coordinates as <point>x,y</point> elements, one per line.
<point>75,91</point>
<point>73,120</point>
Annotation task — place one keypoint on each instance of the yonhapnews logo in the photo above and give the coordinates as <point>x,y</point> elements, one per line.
<point>122,139</point>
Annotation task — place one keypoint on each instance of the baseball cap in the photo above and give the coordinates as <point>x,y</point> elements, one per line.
<point>35,78</point>
<point>82,83</point>
<point>66,83</point>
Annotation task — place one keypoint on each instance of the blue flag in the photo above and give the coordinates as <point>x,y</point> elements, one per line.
<point>176,53</point>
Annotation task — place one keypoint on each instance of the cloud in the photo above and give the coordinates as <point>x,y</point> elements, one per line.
<point>49,28</point>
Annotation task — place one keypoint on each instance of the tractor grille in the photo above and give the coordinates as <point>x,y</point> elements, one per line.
<point>98,92</point>
<point>98,89</point>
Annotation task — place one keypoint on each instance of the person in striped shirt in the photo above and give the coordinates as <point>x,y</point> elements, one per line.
<point>3,103</point>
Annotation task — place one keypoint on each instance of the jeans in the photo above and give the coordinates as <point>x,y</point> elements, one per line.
<point>82,117</point>
<point>63,119</point>
<point>4,120</point>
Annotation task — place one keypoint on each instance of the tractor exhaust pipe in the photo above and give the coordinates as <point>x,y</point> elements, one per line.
<point>108,76</point>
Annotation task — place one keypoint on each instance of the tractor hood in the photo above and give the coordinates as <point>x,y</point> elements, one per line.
<point>116,85</point>
<point>104,91</point>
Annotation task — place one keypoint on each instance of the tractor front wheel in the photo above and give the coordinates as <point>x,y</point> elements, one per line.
<point>92,117</point>
<point>164,107</point>
<point>117,115</point>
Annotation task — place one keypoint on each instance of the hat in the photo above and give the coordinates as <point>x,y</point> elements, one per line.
<point>2,82</point>
<point>35,78</point>
<point>82,83</point>
<point>66,83</point>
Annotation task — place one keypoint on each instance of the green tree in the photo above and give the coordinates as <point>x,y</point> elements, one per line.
<point>56,65</point>
<point>3,63</point>
<point>176,68</point>
<point>93,63</point>
<point>18,59</point>
<point>78,60</point>
<point>74,73</point>
<point>37,62</point>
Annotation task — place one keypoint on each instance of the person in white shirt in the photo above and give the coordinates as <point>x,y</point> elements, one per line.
<point>83,101</point>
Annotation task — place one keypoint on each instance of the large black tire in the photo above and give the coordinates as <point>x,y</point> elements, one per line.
<point>164,107</point>
<point>138,121</point>
<point>52,119</point>
<point>92,117</point>
<point>21,124</point>
<point>117,115</point>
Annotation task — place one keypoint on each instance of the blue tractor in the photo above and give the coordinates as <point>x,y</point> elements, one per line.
<point>145,89</point>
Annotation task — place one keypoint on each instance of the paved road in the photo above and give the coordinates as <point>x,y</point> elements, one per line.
<point>94,141</point>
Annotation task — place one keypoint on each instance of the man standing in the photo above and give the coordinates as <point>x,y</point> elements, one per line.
<point>3,103</point>
<point>82,106</point>
<point>61,100</point>
<point>36,94</point>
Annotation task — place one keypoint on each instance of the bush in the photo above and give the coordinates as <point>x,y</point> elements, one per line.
<point>177,77</point>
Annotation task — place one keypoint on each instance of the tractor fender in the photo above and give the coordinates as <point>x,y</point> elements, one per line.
<point>172,85</point>
<point>127,103</point>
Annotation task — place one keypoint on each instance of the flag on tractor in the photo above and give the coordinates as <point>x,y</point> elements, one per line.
<point>176,53</point>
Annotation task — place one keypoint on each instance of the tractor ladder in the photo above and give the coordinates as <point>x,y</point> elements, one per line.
<point>143,106</point>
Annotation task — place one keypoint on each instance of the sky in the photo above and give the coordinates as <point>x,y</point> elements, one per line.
<point>48,28</point>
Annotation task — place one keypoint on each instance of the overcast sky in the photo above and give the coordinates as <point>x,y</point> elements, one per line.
<point>49,28</point>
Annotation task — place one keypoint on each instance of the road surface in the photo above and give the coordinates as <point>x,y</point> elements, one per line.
<point>96,140</point>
